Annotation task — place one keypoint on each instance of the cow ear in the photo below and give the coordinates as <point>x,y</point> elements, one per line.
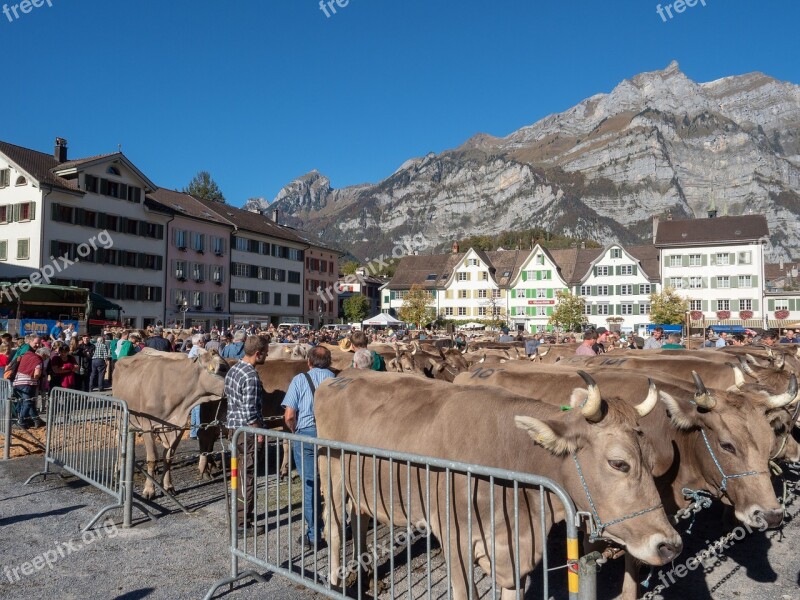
<point>683,416</point>
<point>546,435</point>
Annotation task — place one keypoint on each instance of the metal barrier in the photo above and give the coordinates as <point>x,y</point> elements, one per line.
<point>5,416</point>
<point>88,436</point>
<point>433,520</point>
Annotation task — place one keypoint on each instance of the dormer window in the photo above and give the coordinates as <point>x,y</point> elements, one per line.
<point>21,181</point>
<point>112,170</point>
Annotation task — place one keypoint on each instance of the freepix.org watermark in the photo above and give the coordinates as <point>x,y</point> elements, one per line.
<point>373,555</point>
<point>57,265</point>
<point>329,6</point>
<point>668,11</point>
<point>60,551</point>
<point>14,12</point>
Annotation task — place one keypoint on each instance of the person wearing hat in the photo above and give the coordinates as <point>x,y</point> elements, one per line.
<point>157,341</point>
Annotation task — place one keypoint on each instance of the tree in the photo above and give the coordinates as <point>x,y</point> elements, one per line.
<point>349,268</point>
<point>415,307</point>
<point>204,187</point>
<point>356,308</point>
<point>568,313</point>
<point>495,313</point>
<point>667,307</point>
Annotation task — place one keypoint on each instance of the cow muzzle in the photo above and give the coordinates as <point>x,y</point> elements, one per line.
<point>669,550</point>
<point>759,518</point>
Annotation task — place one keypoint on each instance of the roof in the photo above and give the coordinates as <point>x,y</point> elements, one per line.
<point>718,230</point>
<point>776,270</point>
<point>574,263</point>
<point>38,165</point>
<point>420,269</point>
<point>71,164</point>
<point>185,204</point>
<point>647,255</point>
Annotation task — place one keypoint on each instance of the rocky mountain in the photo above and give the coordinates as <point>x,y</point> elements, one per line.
<point>657,143</point>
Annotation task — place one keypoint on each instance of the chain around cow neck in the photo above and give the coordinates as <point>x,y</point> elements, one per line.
<point>597,530</point>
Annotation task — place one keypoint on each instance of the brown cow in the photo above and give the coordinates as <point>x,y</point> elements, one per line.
<point>433,418</point>
<point>147,382</point>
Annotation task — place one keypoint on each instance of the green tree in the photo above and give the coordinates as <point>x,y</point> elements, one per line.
<point>416,307</point>
<point>667,307</point>
<point>568,313</point>
<point>356,308</point>
<point>349,268</point>
<point>204,187</point>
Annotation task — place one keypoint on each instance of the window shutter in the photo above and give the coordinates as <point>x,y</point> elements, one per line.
<point>635,270</point>
<point>549,292</point>
<point>732,258</point>
<point>734,279</point>
<point>594,271</point>
<point>53,248</point>
<point>754,281</point>
<point>618,290</point>
<point>32,212</point>
<point>618,270</point>
<point>618,309</point>
<point>792,304</point>
<point>755,304</point>
<point>549,311</point>
<point>594,309</point>
<point>104,187</point>
<point>704,259</point>
<point>594,291</point>
<point>735,305</point>
<point>771,305</point>
<point>713,259</point>
<point>636,289</point>
<point>636,309</point>
<point>705,305</point>
<point>159,263</point>
<point>524,276</point>
<point>713,282</point>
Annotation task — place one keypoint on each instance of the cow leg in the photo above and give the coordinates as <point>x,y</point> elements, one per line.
<point>630,583</point>
<point>205,443</point>
<point>332,512</point>
<point>511,593</point>
<point>149,491</point>
<point>461,574</point>
<point>287,459</point>
<point>172,439</point>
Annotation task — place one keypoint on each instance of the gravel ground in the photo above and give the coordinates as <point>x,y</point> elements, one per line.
<point>180,556</point>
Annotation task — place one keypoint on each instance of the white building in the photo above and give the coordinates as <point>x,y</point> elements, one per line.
<point>718,265</point>
<point>534,291</point>
<point>92,212</point>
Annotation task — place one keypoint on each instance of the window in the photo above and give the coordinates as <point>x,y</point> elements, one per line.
<point>294,276</point>
<point>723,259</point>
<point>484,275</point>
<point>696,305</point>
<point>724,283</point>
<point>462,277</point>
<point>587,309</point>
<point>277,299</point>
<point>541,293</point>
<point>646,288</point>
<point>603,271</point>
<point>198,272</point>
<point>180,269</point>
<point>483,294</point>
<point>541,311</point>
<point>262,297</point>
<point>23,249</point>
<point>695,260</point>
<point>602,309</point>
<point>745,281</point>
<point>626,270</point>
<point>520,293</point>
<point>112,170</point>
<point>217,274</point>
<point>431,277</point>
<point>278,251</point>
<point>586,290</point>
<point>5,177</point>
<point>323,266</point>
<point>448,311</point>
<point>197,299</point>
<point>241,244</point>
<point>217,300</point>
<point>602,290</point>
<point>539,259</point>
<point>616,253</point>
<point>292,299</point>
<point>745,258</point>
<point>626,290</point>
<point>134,194</point>
<point>21,181</point>
<point>675,260</point>
<point>695,283</point>
<point>294,254</point>
<point>745,305</point>
<point>198,242</point>
<point>781,304</point>
<point>644,308</point>
<point>627,309</point>
<point>3,214</point>
<point>463,294</point>
<point>90,183</point>
<point>3,250</point>
<point>23,212</point>
<point>676,283</point>
<point>473,262</point>
<point>241,270</point>
<point>723,304</point>
<point>180,239</point>
<point>495,293</point>
<point>462,311</point>
<point>240,296</point>
<point>481,311</point>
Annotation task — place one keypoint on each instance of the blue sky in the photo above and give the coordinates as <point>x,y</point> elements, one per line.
<point>259,92</point>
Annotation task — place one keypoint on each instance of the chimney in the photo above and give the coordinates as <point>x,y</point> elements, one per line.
<point>712,214</point>
<point>455,248</point>
<point>60,152</point>
<point>655,228</point>
<point>276,215</point>
<point>583,245</point>
<point>780,264</point>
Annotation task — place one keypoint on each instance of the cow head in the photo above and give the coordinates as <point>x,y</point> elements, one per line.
<point>212,371</point>
<point>774,376</point>
<point>616,461</point>
<point>741,440</point>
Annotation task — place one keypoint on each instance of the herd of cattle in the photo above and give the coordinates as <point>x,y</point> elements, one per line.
<point>624,433</point>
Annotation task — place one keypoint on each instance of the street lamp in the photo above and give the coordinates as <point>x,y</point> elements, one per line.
<point>183,309</point>
<point>320,316</point>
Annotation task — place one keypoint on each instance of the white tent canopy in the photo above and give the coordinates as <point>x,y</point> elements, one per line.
<point>382,319</point>
<point>473,326</point>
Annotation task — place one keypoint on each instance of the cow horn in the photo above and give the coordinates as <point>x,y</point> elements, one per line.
<point>592,409</point>
<point>701,397</point>
<point>415,347</point>
<point>746,367</point>
<point>769,352</point>
<point>797,352</point>
<point>542,354</point>
<point>781,400</point>
<point>738,375</point>
<point>646,407</point>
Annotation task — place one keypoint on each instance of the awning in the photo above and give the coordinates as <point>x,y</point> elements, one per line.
<point>99,302</point>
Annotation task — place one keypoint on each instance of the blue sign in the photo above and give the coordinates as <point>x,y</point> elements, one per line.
<point>41,326</point>
<point>4,325</point>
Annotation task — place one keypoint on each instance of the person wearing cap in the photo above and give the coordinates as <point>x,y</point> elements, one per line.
<point>157,341</point>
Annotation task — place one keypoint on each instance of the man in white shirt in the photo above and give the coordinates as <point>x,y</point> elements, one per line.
<point>654,342</point>
<point>723,340</point>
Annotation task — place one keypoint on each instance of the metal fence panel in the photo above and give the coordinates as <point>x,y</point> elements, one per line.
<point>88,436</point>
<point>5,416</point>
<point>417,525</point>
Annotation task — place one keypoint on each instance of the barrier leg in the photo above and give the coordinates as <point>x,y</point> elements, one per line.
<point>587,567</point>
<point>7,428</point>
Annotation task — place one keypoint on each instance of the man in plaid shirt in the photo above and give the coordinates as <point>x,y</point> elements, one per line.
<point>100,359</point>
<point>243,390</point>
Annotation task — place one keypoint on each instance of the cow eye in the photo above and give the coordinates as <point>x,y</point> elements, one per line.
<point>619,465</point>
<point>727,447</point>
